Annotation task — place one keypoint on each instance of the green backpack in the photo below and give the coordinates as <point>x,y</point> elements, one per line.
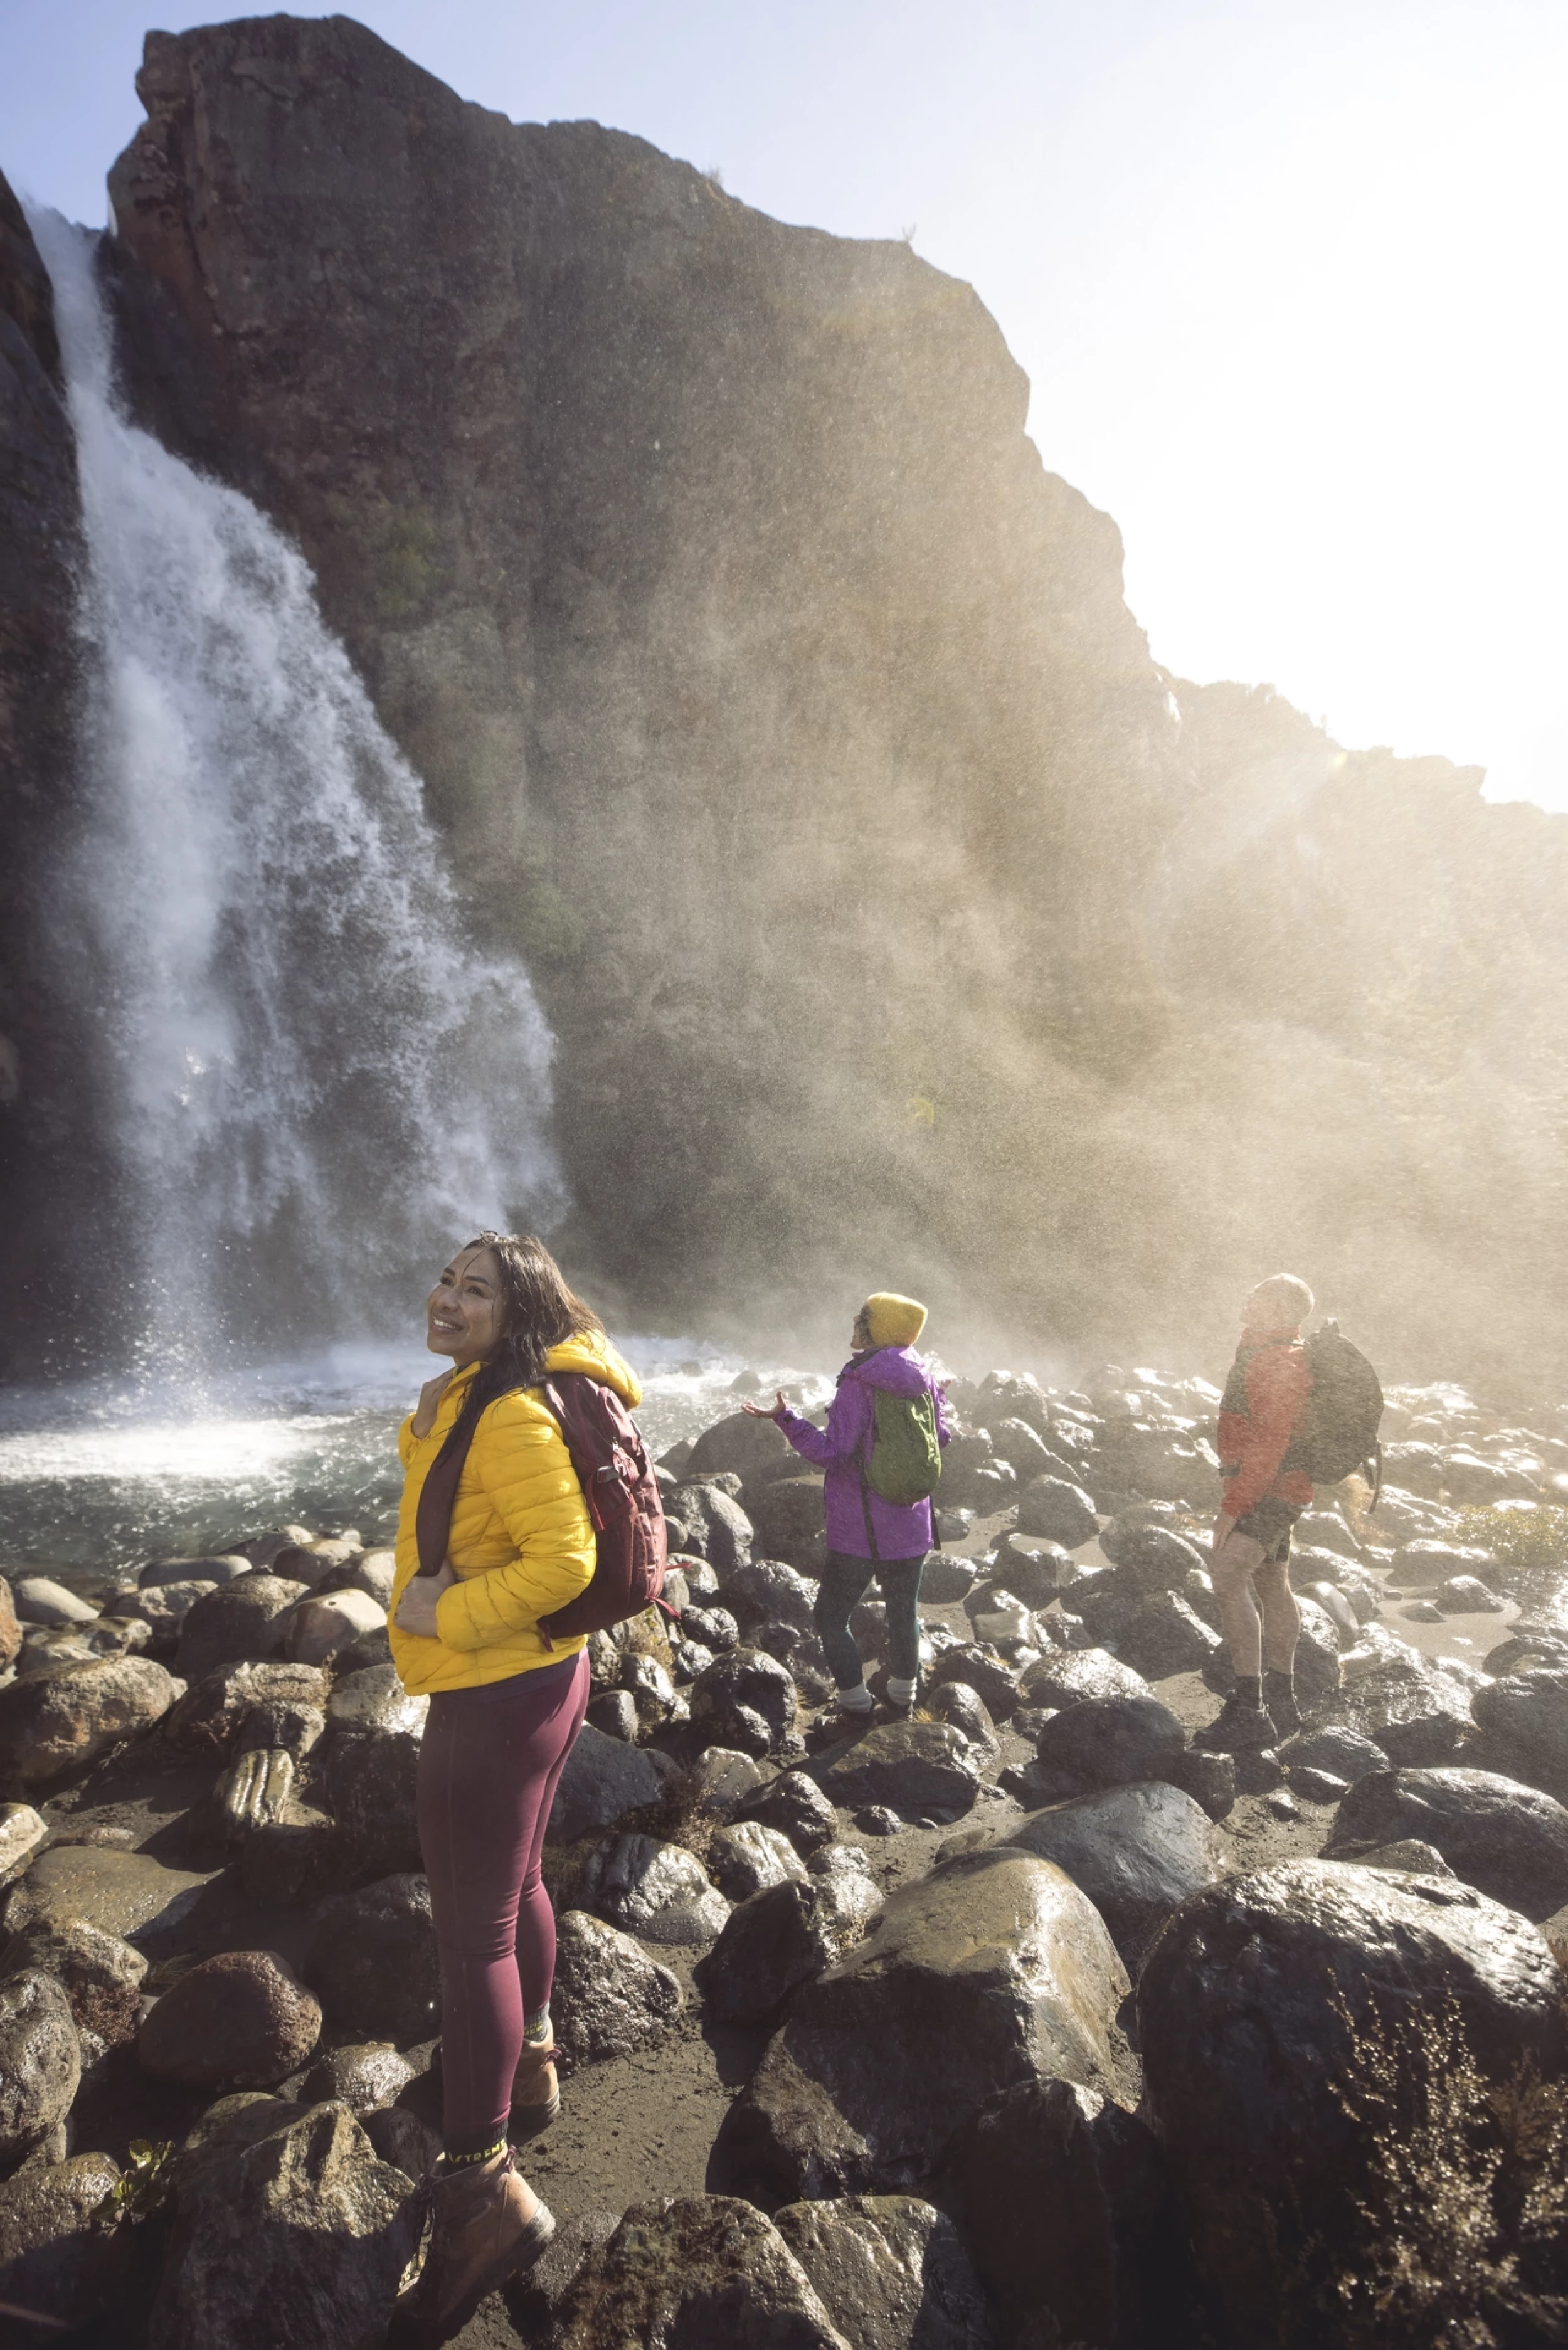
<point>906,1460</point>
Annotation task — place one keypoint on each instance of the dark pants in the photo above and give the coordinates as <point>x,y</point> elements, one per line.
<point>489,1765</point>
<point>846,1580</point>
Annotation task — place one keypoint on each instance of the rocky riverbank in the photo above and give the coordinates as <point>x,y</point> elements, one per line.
<point>1022,2021</point>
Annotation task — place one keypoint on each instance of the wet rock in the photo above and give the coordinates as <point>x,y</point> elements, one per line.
<point>68,1714</point>
<point>983,1670</point>
<point>690,1661</point>
<point>959,1707</point>
<point>946,1580</point>
<point>748,1857</point>
<point>1058,1511</point>
<point>1165,1635</point>
<point>371,1782</point>
<point>1209,1779</point>
<point>21,1831</point>
<point>1070,1677</point>
<point>1068,2214</point>
<point>1137,1851</point>
<point>1337,1607</point>
<point>293,1860</point>
<point>163,1609</point>
<point>372,1961</point>
<point>614,1712</point>
<point>783,1937</point>
<point>287,2228</point>
<point>1034,1572</point>
<point>652,1692</point>
<point>795,1805</point>
<point>243,2016</point>
<point>602,1781</point>
<point>769,1588</point>
<point>912,1767</point>
<point>240,1622</point>
<point>318,1629</point>
<point>1525,1715</point>
<point>720,1782</point>
<point>221,1566</point>
<point>121,1893</point>
<point>1151,1558</point>
<point>373,1572</point>
<point>311,1563</point>
<point>609,1996</point>
<point>40,2062</point>
<point>1111,1741</point>
<point>1428,1562</point>
<point>56,2255</point>
<point>10,1627</point>
<point>1324,1529</point>
<point>993,1968</point>
<point>102,1975</point>
<point>40,1600</point>
<point>261,1550</point>
<point>373,1700</point>
<point>364,2077</point>
<point>719,1527</point>
<point>1259,2012</point>
<point>1348,1754</point>
<point>737,1445</point>
<point>209,1715</point>
<point>745,1699</point>
<point>700,2269</point>
<point>660,1892</point>
<point>714,1626</point>
<point>255,1790</point>
<point>1414,1468</point>
<point>876,1819</point>
<point>1509,1840</point>
<point>787,1520</point>
<point>997,1619</point>
<point>399,2137</point>
<point>890,2271</point>
<point>1463,1594</point>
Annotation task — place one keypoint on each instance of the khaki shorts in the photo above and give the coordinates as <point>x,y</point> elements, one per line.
<point>1269,1523</point>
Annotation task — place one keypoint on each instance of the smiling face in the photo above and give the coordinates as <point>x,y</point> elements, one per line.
<point>463,1312</point>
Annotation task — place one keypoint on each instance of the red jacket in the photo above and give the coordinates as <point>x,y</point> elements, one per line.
<point>1264,1397</point>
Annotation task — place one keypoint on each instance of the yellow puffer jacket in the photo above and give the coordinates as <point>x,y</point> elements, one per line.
<point>521,1539</point>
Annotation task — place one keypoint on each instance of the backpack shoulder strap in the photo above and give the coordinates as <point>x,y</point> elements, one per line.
<point>438,1495</point>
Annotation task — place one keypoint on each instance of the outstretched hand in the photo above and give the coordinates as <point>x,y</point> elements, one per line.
<point>417,1608</point>
<point>766,1411</point>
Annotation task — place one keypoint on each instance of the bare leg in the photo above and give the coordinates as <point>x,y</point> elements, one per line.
<point>1282,1616</point>
<point>1231,1571</point>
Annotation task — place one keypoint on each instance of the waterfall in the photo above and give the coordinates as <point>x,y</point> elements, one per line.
<point>313,1084</point>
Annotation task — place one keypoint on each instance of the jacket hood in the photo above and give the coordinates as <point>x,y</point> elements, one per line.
<point>593,1353</point>
<point>897,1368</point>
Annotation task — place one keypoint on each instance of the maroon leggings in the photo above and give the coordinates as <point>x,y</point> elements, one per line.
<point>489,1764</point>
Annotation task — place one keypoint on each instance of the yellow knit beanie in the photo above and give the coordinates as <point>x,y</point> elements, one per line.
<point>894,1321</point>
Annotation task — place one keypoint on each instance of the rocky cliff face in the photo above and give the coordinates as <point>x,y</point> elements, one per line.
<point>899,919</point>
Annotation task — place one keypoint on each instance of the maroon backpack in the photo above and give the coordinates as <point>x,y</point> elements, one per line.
<point>619,1485</point>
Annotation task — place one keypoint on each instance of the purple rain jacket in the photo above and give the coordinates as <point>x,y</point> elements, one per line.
<point>844,1444</point>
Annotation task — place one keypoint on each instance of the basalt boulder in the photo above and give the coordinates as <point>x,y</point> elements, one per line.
<point>1066,1676</point>
<point>609,1996</point>
<point>795,1805</point>
<point>241,1622</point>
<point>660,1892</point>
<point>65,1715</point>
<point>1509,1840</point>
<point>40,2062</point>
<point>891,2272</point>
<point>1058,1511</point>
<point>373,1963</point>
<point>1138,1852</point>
<point>603,1780</point>
<point>912,1767</point>
<point>696,2271</point>
<point>783,1937</point>
<point>241,2017</point>
<point>58,2256</point>
<point>745,1699</point>
<point>1525,1715</point>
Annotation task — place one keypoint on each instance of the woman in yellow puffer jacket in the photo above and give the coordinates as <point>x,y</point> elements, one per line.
<point>506,1704</point>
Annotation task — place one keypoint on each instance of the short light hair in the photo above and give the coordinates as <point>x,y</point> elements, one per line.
<point>1283,1299</point>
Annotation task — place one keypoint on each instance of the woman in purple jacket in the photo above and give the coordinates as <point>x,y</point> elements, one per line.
<point>867,1536</point>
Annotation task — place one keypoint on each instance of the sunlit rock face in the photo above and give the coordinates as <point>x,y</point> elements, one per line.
<point>891,908</point>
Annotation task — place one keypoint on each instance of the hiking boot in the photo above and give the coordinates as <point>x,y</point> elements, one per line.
<point>1280,1698</point>
<point>535,2091</point>
<point>488,2224</point>
<point>1239,1729</point>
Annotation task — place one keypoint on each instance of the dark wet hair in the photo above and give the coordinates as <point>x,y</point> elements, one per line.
<point>537,1312</point>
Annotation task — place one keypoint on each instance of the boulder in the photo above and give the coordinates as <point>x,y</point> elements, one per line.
<point>984,1671</point>
<point>1069,1677</point>
<point>21,1831</point>
<point>959,1707</point>
<point>102,1975</point>
<point>745,1699</point>
<point>603,1781</point>
<point>365,2076</point>
<point>1529,1645</point>
<point>163,1609</point>
<point>1414,1468</point>
<point>240,1622</point>
<point>737,1445</point>
<point>1509,1840</point>
<point>652,1692</point>
<point>787,1520</point>
<point>208,1718</point>
<point>1463,1594</point>
<point>714,1627</point>
<point>57,2256</point>
<point>697,2270</point>
<point>1272,2010</point>
<point>1409,1853</point>
<point>993,1968</point>
<point>890,2270</point>
<point>1057,1510</point>
<point>722,1782</point>
<point>1428,1562</point>
<point>241,2017</point>
<point>1335,1607</point>
<point>1138,1852</point>
<point>65,1715</point>
<point>1034,1572</point>
<point>784,1937</point>
<point>614,1712</point>
<point>372,1961</point>
<point>795,1805</point>
<point>1526,1716</point>
<point>220,1566</point>
<point>946,1581</point>
<point>1324,1529</point>
<point>748,1857</point>
<point>122,1893</point>
<point>40,1600</point>
<point>769,1589</point>
<point>1346,1755</point>
<point>609,1996</point>
<point>912,1767</point>
<point>718,1526</point>
<point>1069,2218</point>
<point>292,1859</point>
<point>1150,1556</point>
<point>1317,1669</point>
<point>371,1784</point>
<point>1111,1741</point>
<point>40,2062</point>
<point>657,1891</point>
<point>318,1629</point>
<point>1165,1635</point>
<point>1209,1779</point>
<point>287,2228</point>
<point>10,1629</point>
<point>996,1617</point>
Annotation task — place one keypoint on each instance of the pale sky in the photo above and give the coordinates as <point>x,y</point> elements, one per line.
<point>1287,277</point>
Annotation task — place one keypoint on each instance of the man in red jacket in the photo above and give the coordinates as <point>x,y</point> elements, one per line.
<point>1265,1397</point>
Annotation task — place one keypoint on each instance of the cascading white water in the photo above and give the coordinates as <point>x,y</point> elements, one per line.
<point>315,1081</point>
